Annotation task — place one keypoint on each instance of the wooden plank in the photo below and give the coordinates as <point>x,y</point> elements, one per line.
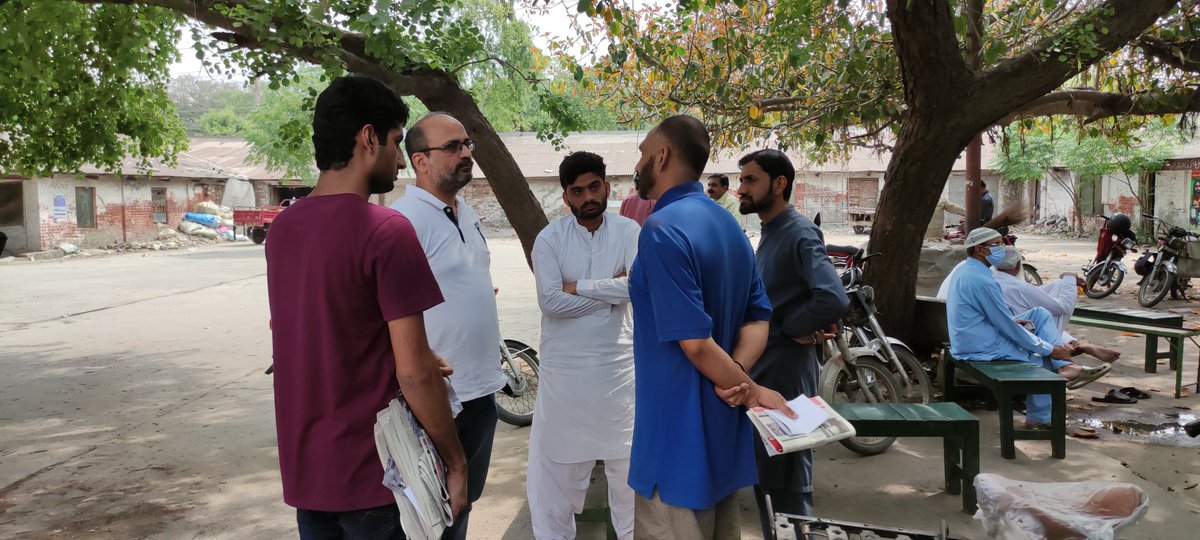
<point>1138,328</point>
<point>1129,315</point>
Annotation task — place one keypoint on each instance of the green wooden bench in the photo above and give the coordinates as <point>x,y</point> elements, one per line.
<point>1006,379</point>
<point>1174,336</point>
<point>958,429</point>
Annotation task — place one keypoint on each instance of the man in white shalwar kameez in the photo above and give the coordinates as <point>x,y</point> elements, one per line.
<point>1058,297</point>
<point>584,409</point>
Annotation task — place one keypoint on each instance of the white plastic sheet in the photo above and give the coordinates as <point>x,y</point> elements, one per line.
<point>1016,510</point>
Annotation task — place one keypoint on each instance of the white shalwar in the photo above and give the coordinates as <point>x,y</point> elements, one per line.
<point>584,409</point>
<point>1058,297</point>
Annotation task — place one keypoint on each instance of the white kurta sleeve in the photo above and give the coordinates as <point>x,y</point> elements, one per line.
<point>614,291</point>
<point>547,275</point>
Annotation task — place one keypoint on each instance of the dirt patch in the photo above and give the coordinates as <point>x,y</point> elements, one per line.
<point>125,504</point>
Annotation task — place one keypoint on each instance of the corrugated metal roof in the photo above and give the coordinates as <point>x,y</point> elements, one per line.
<point>186,166</point>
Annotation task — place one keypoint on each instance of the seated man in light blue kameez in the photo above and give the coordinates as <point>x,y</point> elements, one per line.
<point>982,328</point>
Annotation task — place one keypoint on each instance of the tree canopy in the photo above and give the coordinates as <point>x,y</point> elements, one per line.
<point>823,76</point>
<point>920,77</point>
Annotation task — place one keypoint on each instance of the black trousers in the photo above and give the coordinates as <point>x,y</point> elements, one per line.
<point>476,430</point>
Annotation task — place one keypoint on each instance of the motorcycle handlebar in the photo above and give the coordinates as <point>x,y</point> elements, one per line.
<point>1149,216</point>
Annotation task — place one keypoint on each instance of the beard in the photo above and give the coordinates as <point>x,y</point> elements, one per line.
<point>590,209</point>
<point>749,205</point>
<point>381,180</point>
<point>644,181</point>
<point>458,178</point>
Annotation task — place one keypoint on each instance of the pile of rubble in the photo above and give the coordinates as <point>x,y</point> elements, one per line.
<point>1055,225</point>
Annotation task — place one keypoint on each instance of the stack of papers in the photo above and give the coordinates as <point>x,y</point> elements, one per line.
<point>414,472</point>
<point>815,424</point>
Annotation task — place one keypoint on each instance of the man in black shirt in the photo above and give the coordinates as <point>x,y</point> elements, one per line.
<point>986,205</point>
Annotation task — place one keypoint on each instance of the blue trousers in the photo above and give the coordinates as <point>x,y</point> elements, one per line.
<point>1037,406</point>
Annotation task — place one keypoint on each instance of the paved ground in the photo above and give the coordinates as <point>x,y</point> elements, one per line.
<point>133,405</point>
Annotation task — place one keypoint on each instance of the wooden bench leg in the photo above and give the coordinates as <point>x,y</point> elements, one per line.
<point>952,461</point>
<point>1176,352</point>
<point>1151,354</point>
<point>947,375</point>
<point>1004,405</point>
<point>1058,422</point>
<point>970,469</point>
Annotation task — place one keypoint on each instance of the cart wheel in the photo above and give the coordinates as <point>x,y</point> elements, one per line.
<point>258,235</point>
<point>859,229</point>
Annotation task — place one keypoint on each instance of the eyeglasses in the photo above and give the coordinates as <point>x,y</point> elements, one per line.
<point>453,147</point>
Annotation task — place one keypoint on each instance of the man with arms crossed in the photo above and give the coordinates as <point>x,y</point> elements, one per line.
<point>347,283</point>
<point>700,322</point>
<point>584,409</point>
<point>465,330</point>
<point>806,297</point>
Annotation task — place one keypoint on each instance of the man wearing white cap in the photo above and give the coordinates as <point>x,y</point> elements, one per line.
<point>1058,297</point>
<point>982,329</point>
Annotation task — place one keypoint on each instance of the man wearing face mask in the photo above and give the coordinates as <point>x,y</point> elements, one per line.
<point>584,409</point>
<point>983,329</point>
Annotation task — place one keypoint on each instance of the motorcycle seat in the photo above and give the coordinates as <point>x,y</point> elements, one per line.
<point>842,251</point>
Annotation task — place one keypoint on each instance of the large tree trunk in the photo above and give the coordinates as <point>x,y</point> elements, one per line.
<point>948,103</point>
<point>916,175</point>
<point>512,191</point>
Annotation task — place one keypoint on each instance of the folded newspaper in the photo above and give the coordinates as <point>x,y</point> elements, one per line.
<point>779,438</point>
<point>414,472</point>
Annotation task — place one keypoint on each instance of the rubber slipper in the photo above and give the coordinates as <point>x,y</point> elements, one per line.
<point>1088,376</point>
<point>1134,393</point>
<point>1115,397</point>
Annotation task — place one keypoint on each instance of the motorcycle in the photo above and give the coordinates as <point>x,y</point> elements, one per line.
<point>856,375</point>
<point>519,364</point>
<point>1028,272</point>
<point>1168,269</point>
<point>1105,273</point>
<point>862,324</point>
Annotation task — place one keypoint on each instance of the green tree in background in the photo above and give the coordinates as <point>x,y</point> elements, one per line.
<point>1075,160</point>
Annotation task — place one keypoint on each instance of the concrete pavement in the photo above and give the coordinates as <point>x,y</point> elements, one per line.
<point>133,404</point>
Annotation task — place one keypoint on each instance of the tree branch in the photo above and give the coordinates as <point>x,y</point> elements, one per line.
<point>927,47</point>
<point>1039,71</point>
<point>417,80</point>
<point>1184,55</point>
<point>1095,105</point>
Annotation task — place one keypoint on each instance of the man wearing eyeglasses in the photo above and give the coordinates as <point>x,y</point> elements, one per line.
<point>464,330</point>
<point>983,329</point>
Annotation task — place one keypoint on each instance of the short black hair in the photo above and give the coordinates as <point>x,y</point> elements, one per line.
<point>774,163</point>
<point>348,104</point>
<point>415,139</point>
<point>724,180</point>
<point>577,164</point>
<point>983,184</point>
<point>688,137</point>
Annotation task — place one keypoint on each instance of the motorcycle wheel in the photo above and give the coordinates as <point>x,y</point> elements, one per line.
<point>515,403</point>
<point>848,389</point>
<point>920,388</point>
<point>1103,280</point>
<point>1155,286</point>
<point>1029,273</point>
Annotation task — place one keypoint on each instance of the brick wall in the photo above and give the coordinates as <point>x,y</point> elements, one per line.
<point>122,215</point>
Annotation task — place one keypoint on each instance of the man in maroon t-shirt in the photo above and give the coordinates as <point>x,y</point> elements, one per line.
<point>348,284</point>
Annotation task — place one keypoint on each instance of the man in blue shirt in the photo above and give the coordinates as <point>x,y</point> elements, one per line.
<point>700,321</point>
<point>982,328</point>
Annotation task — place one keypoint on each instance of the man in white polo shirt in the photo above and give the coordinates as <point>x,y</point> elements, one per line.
<point>464,330</point>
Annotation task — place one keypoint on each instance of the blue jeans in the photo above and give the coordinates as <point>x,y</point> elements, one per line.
<point>379,523</point>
